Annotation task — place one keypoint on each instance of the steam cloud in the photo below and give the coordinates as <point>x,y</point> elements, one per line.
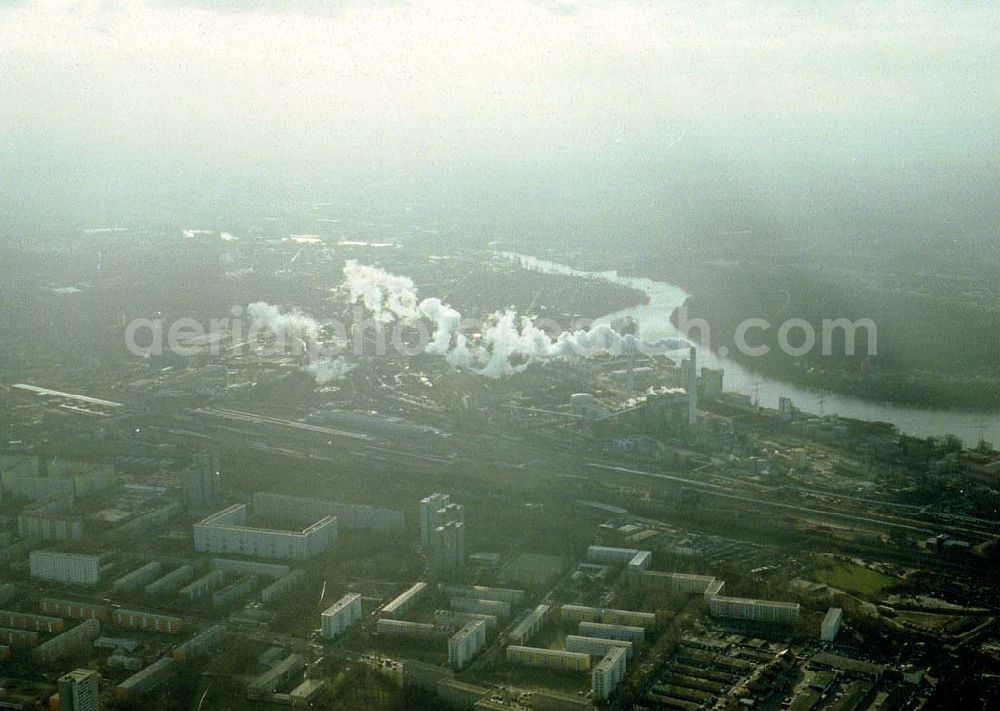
<point>505,340</point>
<point>330,369</point>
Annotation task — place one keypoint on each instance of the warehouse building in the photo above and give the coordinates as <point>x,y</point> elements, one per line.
<point>466,644</point>
<point>548,658</point>
<point>226,532</point>
<point>341,615</point>
<point>69,568</point>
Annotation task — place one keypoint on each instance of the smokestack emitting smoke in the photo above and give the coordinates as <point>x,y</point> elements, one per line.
<point>508,343</point>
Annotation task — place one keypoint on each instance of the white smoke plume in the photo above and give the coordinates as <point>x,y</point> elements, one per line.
<point>330,369</point>
<point>388,297</point>
<point>293,324</point>
<point>506,338</point>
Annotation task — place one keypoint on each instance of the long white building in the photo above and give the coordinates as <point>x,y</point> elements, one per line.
<point>70,568</point>
<point>482,592</point>
<point>529,626</point>
<point>398,606</point>
<point>226,532</point>
<point>341,615</point>
<point>349,516</point>
<point>596,646</point>
<point>628,633</point>
<point>578,613</point>
<point>466,643</point>
<point>743,608</point>
<point>482,607</point>
<point>548,658</point>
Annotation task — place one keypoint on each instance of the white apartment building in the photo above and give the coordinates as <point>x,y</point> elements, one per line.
<point>71,568</point>
<point>608,673</point>
<point>79,690</point>
<point>341,615</point>
<point>757,610</point>
<point>466,643</point>
<point>831,624</point>
<point>226,532</point>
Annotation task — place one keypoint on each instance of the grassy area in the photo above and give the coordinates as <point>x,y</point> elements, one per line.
<point>852,577</point>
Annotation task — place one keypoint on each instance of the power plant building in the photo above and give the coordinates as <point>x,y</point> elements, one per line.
<point>226,532</point>
<point>341,615</point>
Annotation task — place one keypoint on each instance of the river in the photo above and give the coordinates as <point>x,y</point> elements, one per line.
<point>654,323</point>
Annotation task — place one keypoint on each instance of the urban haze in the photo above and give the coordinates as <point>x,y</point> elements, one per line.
<point>550,355</point>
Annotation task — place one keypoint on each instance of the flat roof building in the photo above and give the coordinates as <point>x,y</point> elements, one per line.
<point>606,631</point>
<point>529,626</point>
<point>548,658</point>
<point>79,690</point>
<point>70,568</point>
<point>756,610</point>
<point>226,532</point>
<point>608,673</point>
<point>340,615</point>
<point>466,644</point>
<point>398,606</point>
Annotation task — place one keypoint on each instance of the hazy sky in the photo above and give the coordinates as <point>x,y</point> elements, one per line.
<point>137,101</point>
